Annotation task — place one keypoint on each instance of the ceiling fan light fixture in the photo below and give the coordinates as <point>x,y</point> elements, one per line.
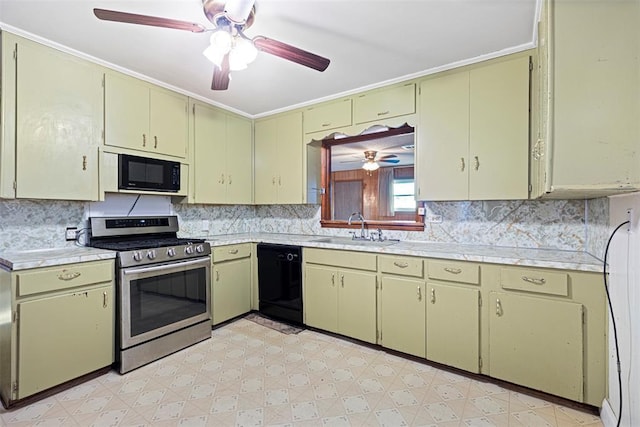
<point>213,55</point>
<point>370,165</point>
<point>221,40</point>
<point>242,54</point>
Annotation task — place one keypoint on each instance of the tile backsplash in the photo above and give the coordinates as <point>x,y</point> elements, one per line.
<point>556,224</point>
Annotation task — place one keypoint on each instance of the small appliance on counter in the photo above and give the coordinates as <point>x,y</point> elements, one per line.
<point>163,286</point>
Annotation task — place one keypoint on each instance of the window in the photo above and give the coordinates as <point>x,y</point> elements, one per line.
<point>404,197</point>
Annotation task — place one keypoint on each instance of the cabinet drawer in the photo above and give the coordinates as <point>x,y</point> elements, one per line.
<point>530,280</point>
<point>452,271</point>
<point>383,104</point>
<point>405,266</point>
<point>63,277</point>
<point>357,260</point>
<point>328,116</point>
<point>225,253</point>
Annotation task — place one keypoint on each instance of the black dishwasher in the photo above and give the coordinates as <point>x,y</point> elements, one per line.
<point>280,281</point>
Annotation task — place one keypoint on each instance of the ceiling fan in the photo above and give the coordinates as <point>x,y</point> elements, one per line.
<point>370,156</point>
<point>230,48</point>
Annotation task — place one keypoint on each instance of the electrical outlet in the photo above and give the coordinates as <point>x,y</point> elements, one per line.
<point>434,219</point>
<point>71,233</point>
<point>205,225</point>
<point>421,211</point>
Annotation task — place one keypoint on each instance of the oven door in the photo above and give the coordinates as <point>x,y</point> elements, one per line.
<point>159,299</point>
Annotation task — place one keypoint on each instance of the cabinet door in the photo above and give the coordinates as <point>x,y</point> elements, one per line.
<point>453,326</point>
<point>63,337</point>
<point>328,116</point>
<point>239,161</point>
<point>59,124</point>
<point>357,305</point>
<point>402,315</point>
<point>321,297</point>
<point>168,122</point>
<point>537,342</point>
<point>383,104</point>
<point>499,131</point>
<point>442,160</point>
<point>290,182</point>
<point>126,112</point>
<point>265,161</point>
<point>209,155</point>
<point>231,289</point>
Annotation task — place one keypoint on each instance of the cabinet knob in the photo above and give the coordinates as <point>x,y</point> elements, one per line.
<point>534,280</point>
<point>433,296</point>
<point>499,311</point>
<point>144,140</point>
<point>221,179</point>
<point>342,280</point>
<point>476,162</point>
<point>68,275</point>
<point>462,165</point>
<point>104,299</point>
<point>400,264</point>
<point>419,294</point>
<point>333,279</point>
<point>155,141</point>
<point>217,275</point>
<point>452,270</point>
<point>229,179</point>
<point>383,113</point>
<point>233,251</point>
<point>84,163</point>
<point>324,125</point>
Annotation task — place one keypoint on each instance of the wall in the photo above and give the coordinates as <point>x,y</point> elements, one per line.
<point>565,224</point>
<point>624,288</point>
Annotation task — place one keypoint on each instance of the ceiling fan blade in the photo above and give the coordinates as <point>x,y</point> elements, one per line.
<point>221,75</point>
<point>154,21</point>
<point>389,160</point>
<point>291,53</point>
<point>388,156</point>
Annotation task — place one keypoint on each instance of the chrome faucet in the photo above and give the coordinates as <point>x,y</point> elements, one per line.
<point>361,218</point>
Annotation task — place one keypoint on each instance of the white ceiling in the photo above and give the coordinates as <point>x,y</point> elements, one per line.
<point>369,42</point>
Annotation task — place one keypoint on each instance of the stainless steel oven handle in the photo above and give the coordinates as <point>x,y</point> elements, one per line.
<point>178,264</point>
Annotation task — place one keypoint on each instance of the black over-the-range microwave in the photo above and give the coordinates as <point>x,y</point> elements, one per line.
<point>143,173</point>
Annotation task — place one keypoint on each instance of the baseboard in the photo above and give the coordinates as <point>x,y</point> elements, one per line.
<point>607,415</point>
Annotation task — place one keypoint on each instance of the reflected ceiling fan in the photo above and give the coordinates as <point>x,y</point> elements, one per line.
<point>370,162</point>
<point>230,49</point>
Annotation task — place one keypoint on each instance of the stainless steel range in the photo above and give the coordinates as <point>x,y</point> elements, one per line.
<point>163,286</point>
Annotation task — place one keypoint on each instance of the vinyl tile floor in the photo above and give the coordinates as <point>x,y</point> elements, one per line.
<point>250,375</point>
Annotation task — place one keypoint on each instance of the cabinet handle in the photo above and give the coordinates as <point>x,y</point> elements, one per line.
<point>462,165</point>
<point>400,264</point>
<point>419,294</point>
<point>273,181</point>
<point>383,113</point>
<point>342,280</point>
<point>279,180</point>
<point>217,275</point>
<point>233,251</point>
<point>499,311</point>
<point>155,141</point>
<point>324,125</point>
<point>333,279</point>
<point>104,299</point>
<point>229,179</point>
<point>433,296</point>
<point>534,280</point>
<point>68,275</point>
<point>84,163</point>
<point>452,270</point>
<point>221,179</point>
<point>476,162</point>
<point>144,140</point>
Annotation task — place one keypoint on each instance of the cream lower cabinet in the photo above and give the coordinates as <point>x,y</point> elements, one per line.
<point>62,328</point>
<point>402,304</point>
<point>230,282</point>
<point>538,343</point>
<point>339,299</point>
<point>453,314</point>
<point>57,123</point>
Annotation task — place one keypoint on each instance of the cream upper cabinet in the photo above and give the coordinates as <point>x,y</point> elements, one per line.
<point>473,133</point>
<point>384,103</point>
<point>278,162</point>
<point>327,116</point>
<point>139,116</point>
<point>222,157</point>
<point>58,117</point>
<point>587,139</point>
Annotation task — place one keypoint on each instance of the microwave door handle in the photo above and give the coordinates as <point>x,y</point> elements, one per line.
<point>180,264</point>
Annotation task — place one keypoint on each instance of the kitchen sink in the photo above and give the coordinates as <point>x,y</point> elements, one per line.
<point>354,242</point>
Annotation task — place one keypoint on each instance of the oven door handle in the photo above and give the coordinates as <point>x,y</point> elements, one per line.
<point>178,264</point>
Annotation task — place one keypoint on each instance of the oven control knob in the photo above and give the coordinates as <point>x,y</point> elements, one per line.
<point>199,249</point>
<point>171,252</point>
<point>137,256</point>
<point>188,250</point>
<point>151,254</point>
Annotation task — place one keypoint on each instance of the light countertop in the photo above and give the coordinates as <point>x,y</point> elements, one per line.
<point>546,258</point>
